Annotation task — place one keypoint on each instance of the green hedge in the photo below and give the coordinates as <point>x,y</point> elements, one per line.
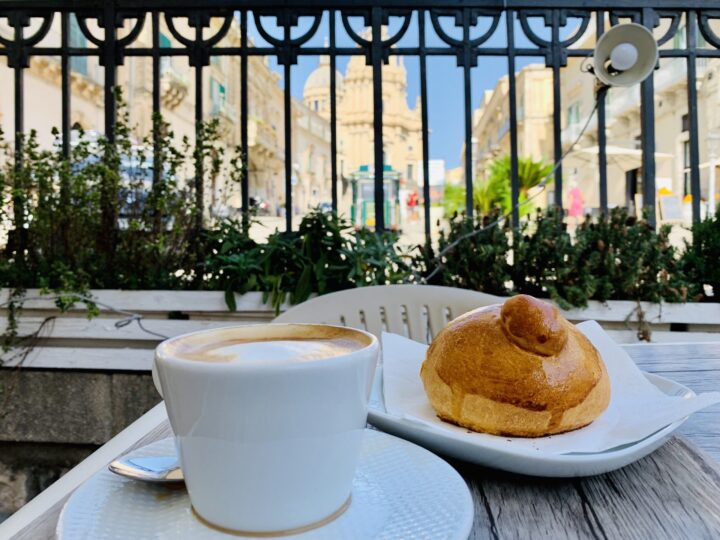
<point>613,257</point>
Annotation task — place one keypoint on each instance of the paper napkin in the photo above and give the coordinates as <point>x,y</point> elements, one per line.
<point>637,407</point>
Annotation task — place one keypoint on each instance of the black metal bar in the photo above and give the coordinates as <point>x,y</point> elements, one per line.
<point>602,148</point>
<point>156,96</point>
<point>288,146</point>
<point>647,122</point>
<point>18,237</point>
<point>377,60</point>
<point>156,121</point>
<point>468,143</point>
<point>65,84</point>
<point>512,97</point>
<point>156,61</point>
<point>333,115</point>
<point>19,101</point>
<point>354,51</point>
<point>425,125</point>
<point>44,5</point>
<point>110,72</point>
<point>601,121</point>
<point>467,86</point>
<point>199,137</point>
<point>557,108</point>
<point>245,181</point>
<point>691,34</point>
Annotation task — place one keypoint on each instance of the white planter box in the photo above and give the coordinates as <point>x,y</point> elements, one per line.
<point>76,342</point>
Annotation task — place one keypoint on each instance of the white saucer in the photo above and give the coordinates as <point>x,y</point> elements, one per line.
<point>400,491</point>
<point>517,460</point>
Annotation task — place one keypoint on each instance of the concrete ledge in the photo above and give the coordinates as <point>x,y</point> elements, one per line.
<point>53,419</point>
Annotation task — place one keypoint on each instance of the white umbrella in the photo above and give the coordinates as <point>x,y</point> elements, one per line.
<point>625,158</point>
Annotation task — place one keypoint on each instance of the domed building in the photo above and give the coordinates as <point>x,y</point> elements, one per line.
<point>316,93</point>
<point>402,125</point>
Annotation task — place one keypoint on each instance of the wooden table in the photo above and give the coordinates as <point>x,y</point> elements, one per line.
<point>673,493</point>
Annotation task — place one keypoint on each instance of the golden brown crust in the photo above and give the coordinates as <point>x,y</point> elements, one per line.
<point>515,369</point>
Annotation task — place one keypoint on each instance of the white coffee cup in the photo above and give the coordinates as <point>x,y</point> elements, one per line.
<point>267,446</point>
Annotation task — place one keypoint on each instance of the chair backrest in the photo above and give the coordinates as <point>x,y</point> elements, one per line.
<point>416,311</point>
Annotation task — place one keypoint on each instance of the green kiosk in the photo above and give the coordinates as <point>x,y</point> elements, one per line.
<point>362,210</point>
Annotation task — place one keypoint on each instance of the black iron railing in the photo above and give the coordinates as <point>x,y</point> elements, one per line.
<point>376,46</point>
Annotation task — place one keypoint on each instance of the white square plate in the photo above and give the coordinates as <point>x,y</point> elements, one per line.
<point>518,460</point>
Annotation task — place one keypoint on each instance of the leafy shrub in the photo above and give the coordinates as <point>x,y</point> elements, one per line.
<point>701,260</point>
<point>476,256</point>
<point>545,261</point>
<point>324,255</point>
<point>95,219</point>
<point>629,260</point>
<point>614,257</point>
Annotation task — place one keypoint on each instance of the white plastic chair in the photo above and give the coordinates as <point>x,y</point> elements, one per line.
<point>416,311</point>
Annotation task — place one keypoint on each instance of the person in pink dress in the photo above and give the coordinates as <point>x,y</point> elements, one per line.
<point>575,202</point>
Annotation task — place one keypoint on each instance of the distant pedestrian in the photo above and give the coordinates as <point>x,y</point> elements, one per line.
<point>576,203</point>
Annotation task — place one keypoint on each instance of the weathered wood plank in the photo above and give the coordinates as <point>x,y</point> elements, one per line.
<point>685,353</point>
<point>659,336</point>
<point>673,493</point>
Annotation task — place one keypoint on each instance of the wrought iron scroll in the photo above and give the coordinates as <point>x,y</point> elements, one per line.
<point>18,58</point>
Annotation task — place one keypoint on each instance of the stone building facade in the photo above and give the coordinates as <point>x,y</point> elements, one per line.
<point>402,127</point>
<point>491,122</point>
<point>221,100</point>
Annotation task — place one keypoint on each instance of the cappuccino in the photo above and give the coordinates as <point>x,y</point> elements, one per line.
<point>268,420</point>
<point>273,349</point>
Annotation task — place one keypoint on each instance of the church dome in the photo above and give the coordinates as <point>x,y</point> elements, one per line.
<point>320,78</point>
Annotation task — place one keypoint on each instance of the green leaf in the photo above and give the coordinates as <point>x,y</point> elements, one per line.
<point>230,300</point>
<point>303,288</point>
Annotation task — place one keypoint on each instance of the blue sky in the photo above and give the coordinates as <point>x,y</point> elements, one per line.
<point>445,79</point>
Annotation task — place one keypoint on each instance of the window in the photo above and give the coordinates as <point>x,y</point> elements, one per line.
<point>78,64</point>
<point>217,96</point>
<point>573,114</point>
<point>316,105</point>
<point>165,61</point>
<point>686,168</point>
<point>310,160</point>
<point>685,122</point>
<point>410,172</point>
<point>680,39</point>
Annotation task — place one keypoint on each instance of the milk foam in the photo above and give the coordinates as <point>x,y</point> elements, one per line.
<point>279,351</point>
